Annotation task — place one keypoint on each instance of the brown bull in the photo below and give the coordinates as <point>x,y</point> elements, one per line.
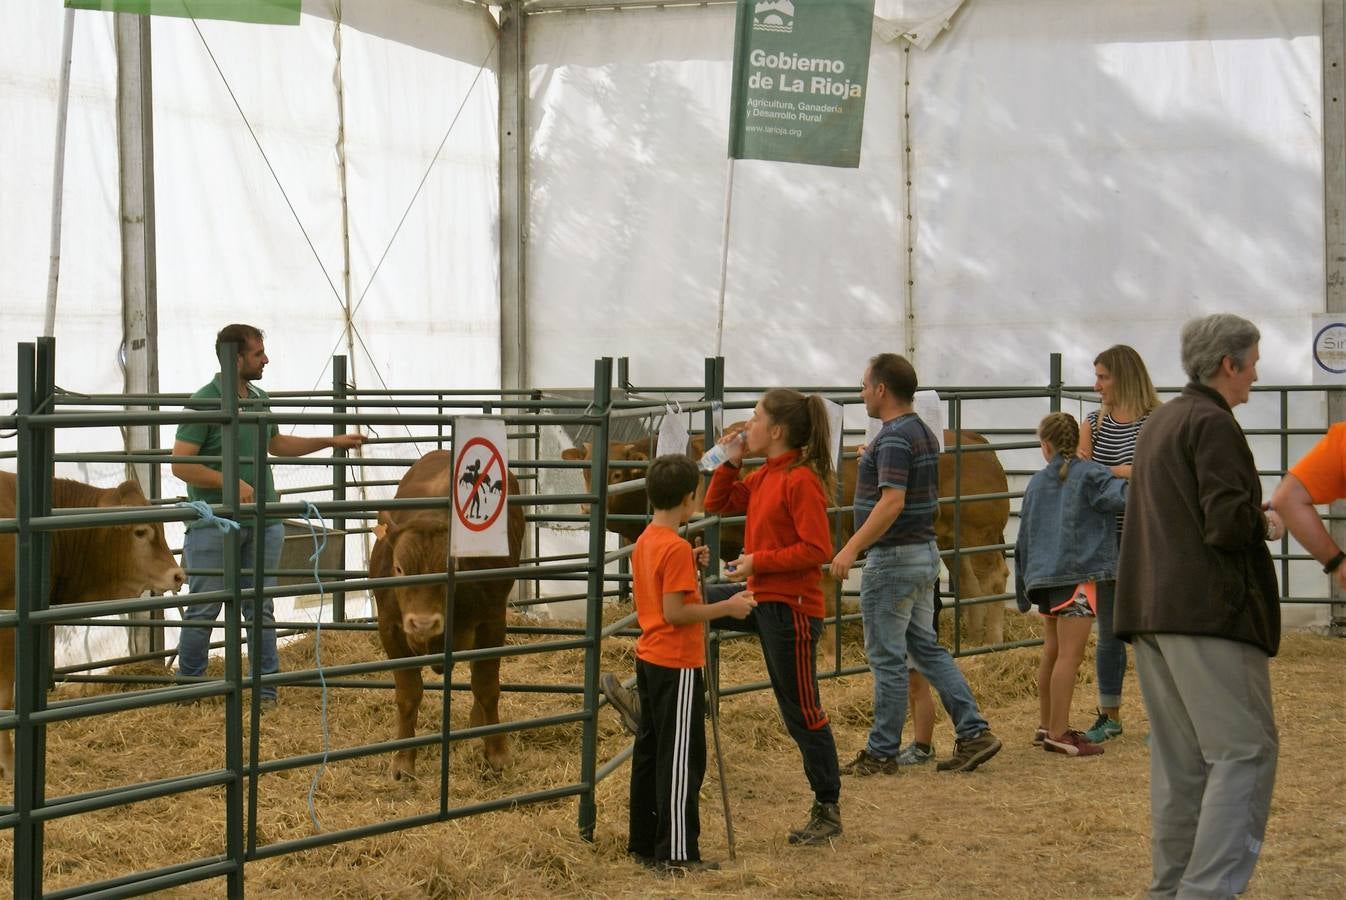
<point>981,522</point>
<point>108,562</point>
<point>412,617</point>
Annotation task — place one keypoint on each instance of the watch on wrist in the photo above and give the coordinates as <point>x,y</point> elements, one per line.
<point>1334,562</point>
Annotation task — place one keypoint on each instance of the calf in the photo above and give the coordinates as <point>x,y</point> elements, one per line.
<point>412,617</point>
<point>107,562</point>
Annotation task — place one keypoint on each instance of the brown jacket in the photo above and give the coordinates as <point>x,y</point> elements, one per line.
<point>1194,557</point>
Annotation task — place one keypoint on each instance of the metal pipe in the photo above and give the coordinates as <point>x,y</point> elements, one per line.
<point>58,172</point>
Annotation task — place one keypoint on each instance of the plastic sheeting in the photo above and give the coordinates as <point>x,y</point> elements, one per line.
<point>628,166</point>
<point>1082,174</point>
<point>230,244</point>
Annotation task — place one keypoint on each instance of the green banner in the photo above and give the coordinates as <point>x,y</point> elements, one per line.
<point>265,12</point>
<point>801,71</point>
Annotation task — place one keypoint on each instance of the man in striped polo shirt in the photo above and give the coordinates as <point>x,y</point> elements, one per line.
<point>896,501</point>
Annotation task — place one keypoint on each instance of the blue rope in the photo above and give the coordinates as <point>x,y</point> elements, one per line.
<point>206,514</point>
<point>319,544</point>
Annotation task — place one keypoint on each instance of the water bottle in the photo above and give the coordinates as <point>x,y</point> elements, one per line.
<point>718,453</point>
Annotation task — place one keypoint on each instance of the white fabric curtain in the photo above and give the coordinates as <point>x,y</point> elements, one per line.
<point>1082,174</point>
<point>229,246</point>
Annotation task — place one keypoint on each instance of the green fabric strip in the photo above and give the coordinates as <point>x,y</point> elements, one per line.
<point>263,12</point>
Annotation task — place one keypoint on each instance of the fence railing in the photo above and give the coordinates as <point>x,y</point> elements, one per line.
<point>352,495</point>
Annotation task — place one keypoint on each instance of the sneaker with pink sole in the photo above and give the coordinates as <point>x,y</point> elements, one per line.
<point>1072,743</point>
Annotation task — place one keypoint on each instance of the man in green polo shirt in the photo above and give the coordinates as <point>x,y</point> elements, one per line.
<point>203,547</point>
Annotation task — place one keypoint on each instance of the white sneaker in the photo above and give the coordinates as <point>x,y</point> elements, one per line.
<point>911,755</point>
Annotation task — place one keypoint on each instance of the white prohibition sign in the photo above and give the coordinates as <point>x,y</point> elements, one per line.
<point>480,488</point>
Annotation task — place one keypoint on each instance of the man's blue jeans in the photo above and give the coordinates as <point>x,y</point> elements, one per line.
<point>1109,655</point>
<point>203,548</point>
<point>897,605</point>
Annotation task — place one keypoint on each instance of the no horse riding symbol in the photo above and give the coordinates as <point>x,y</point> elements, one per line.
<point>479,487</point>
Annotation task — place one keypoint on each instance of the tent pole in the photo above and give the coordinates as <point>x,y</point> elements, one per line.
<point>58,171</point>
<point>513,162</point>
<point>139,292</point>
<point>724,257</point>
<point>1334,233</point>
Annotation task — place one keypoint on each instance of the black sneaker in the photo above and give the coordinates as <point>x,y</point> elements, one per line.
<point>686,866</point>
<point>866,763</point>
<point>968,753</point>
<point>624,700</point>
<point>824,824</point>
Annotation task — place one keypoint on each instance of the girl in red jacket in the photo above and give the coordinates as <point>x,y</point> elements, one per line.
<point>786,541</point>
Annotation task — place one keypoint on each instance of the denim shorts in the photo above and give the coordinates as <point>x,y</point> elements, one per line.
<point>1062,603</point>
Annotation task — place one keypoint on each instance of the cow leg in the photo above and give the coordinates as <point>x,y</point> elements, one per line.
<point>6,700</point>
<point>974,617</point>
<point>992,575</point>
<point>409,690</point>
<point>486,696</point>
<point>486,710</point>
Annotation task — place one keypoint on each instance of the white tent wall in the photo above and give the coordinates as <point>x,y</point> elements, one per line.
<point>430,315</point>
<point>1087,174</point>
<point>627,172</point>
<point>228,246</point>
<point>90,278</point>
<point>1090,174</point>
<point>1082,174</point>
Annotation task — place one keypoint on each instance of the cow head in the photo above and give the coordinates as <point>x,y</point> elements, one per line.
<point>420,546</point>
<point>621,504</point>
<point>143,561</point>
<point>638,451</point>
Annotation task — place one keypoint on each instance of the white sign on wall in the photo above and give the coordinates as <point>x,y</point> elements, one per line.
<point>480,488</point>
<point>1329,348</point>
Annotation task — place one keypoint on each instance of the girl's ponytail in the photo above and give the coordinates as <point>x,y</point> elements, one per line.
<point>817,453</point>
<point>1062,434</point>
<point>807,430</point>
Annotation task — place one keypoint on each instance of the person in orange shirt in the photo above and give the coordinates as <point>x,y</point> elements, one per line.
<point>1320,477</point>
<point>786,540</point>
<point>668,761</point>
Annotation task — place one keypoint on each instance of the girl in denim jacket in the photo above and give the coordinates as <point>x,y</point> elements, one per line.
<point>1064,557</point>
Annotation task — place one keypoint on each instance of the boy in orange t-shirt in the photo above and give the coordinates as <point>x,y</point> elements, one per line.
<point>1320,477</point>
<point>668,761</point>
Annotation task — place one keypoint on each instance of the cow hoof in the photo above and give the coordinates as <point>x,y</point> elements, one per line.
<point>401,774</point>
<point>437,668</point>
<point>496,763</point>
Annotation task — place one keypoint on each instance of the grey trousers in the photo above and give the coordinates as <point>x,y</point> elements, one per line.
<point>1212,761</point>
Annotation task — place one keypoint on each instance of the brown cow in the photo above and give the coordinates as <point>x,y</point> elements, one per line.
<point>980,523</point>
<point>108,562</point>
<point>411,618</point>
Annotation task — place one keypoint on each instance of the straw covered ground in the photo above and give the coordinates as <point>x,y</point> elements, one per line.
<point>1027,824</point>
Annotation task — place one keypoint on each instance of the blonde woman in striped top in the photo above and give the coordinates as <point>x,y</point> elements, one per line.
<point>1108,436</point>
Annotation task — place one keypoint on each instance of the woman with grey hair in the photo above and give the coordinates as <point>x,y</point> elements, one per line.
<point>1208,340</point>
<point>1198,601</point>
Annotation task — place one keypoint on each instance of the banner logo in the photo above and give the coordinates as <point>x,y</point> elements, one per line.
<point>774,15</point>
<point>1329,348</point>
